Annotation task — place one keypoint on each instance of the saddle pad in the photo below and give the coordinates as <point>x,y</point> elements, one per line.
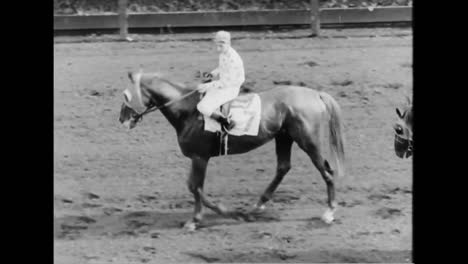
<point>245,111</point>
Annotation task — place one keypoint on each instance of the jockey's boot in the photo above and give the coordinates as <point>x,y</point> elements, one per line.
<point>223,121</point>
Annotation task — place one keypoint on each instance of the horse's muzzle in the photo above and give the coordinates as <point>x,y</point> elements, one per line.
<point>129,124</point>
<point>403,148</point>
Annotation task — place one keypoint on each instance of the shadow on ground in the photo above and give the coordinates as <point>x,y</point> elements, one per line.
<point>313,256</point>
<point>140,222</point>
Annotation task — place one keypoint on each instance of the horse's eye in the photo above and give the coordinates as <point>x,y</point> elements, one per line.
<point>399,130</point>
<point>126,98</point>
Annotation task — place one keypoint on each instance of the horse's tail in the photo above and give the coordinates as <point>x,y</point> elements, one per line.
<point>335,128</point>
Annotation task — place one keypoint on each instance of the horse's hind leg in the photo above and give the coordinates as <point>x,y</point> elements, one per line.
<point>307,135</point>
<point>327,174</point>
<point>283,154</point>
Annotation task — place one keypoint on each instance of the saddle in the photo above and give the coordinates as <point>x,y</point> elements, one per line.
<point>244,110</point>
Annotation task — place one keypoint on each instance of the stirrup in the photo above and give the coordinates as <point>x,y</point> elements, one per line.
<point>228,126</point>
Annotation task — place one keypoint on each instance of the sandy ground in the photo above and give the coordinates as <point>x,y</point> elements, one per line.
<point>120,196</point>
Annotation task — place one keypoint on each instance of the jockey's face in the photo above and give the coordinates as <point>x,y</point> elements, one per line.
<point>221,46</point>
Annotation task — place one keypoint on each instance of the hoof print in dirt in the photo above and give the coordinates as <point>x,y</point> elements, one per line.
<point>69,227</point>
<point>337,222</point>
<point>388,213</point>
<point>283,255</point>
<point>394,86</point>
<point>261,235</point>
<point>282,82</point>
<point>90,205</point>
<point>94,93</point>
<point>378,197</point>
<point>203,257</point>
<point>399,190</point>
<point>73,226</point>
<point>342,94</point>
<point>151,250</point>
<point>317,223</point>
<point>125,233</point>
<point>136,215</point>
<point>285,197</point>
<point>181,204</point>
<point>310,63</point>
<point>135,224</point>
<point>299,83</point>
<point>288,239</point>
<point>91,196</point>
<point>266,216</point>
<point>70,232</point>
<point>255,216</point>
<point>67,201</point>
<point>155,235</point>
<point>350,204</point>
<point>111,210</point>
<point>341,82</point>
<point>146,198</point>
<point>367,233</point>
<point>85,219</point>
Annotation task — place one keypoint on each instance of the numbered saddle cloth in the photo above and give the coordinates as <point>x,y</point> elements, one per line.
<point>244,110</point>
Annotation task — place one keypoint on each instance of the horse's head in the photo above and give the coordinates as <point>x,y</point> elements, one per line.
<point>404,132</point>
<point>151,92</point>
<point>136,102</point>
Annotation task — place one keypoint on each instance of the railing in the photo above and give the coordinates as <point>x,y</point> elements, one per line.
<point>313,17</point>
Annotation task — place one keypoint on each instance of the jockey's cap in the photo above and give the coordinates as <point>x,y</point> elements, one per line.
<point>222,36</point>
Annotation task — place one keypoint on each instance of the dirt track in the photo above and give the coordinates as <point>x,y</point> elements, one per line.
<point>120,196</point>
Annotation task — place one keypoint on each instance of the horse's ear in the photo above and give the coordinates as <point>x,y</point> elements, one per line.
<point>398,113</point>
<point>130,76</point>
<point>408,100</point>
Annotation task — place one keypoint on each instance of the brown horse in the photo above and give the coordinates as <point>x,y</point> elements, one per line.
<point>288,114</point>
<point>404,131</point>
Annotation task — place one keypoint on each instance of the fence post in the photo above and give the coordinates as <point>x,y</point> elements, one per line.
<point>315,17</point>
<point>123,23</point>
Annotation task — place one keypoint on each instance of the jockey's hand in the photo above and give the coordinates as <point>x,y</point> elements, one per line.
<point>201,88</point>
<point>207,75</point>
<point>204,76</point>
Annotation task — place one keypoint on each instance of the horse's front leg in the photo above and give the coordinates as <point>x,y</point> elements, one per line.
<point>195,183</point>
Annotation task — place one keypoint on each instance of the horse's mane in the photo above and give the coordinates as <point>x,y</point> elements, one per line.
<point>181,88</point>
<point>408,113</point>
<point>163,77</point>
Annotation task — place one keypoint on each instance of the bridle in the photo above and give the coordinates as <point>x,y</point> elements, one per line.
<point>153,105</point>
<point>403,140</point>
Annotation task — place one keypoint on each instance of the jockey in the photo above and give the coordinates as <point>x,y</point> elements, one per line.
<point>228,78</point>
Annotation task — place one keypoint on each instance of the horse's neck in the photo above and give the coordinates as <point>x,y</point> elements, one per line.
<point>409,116</point>
<point>177,111</point>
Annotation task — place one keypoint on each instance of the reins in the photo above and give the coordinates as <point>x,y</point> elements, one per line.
<point>154,107</point>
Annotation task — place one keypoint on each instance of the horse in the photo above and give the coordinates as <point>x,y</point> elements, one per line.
<point>404,131</point>
<point>288,114</point>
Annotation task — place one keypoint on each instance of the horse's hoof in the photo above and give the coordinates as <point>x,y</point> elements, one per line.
<point>190,226</point>
<point>258,209</point>
<point>222,209</point>
<point>328,217</point>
